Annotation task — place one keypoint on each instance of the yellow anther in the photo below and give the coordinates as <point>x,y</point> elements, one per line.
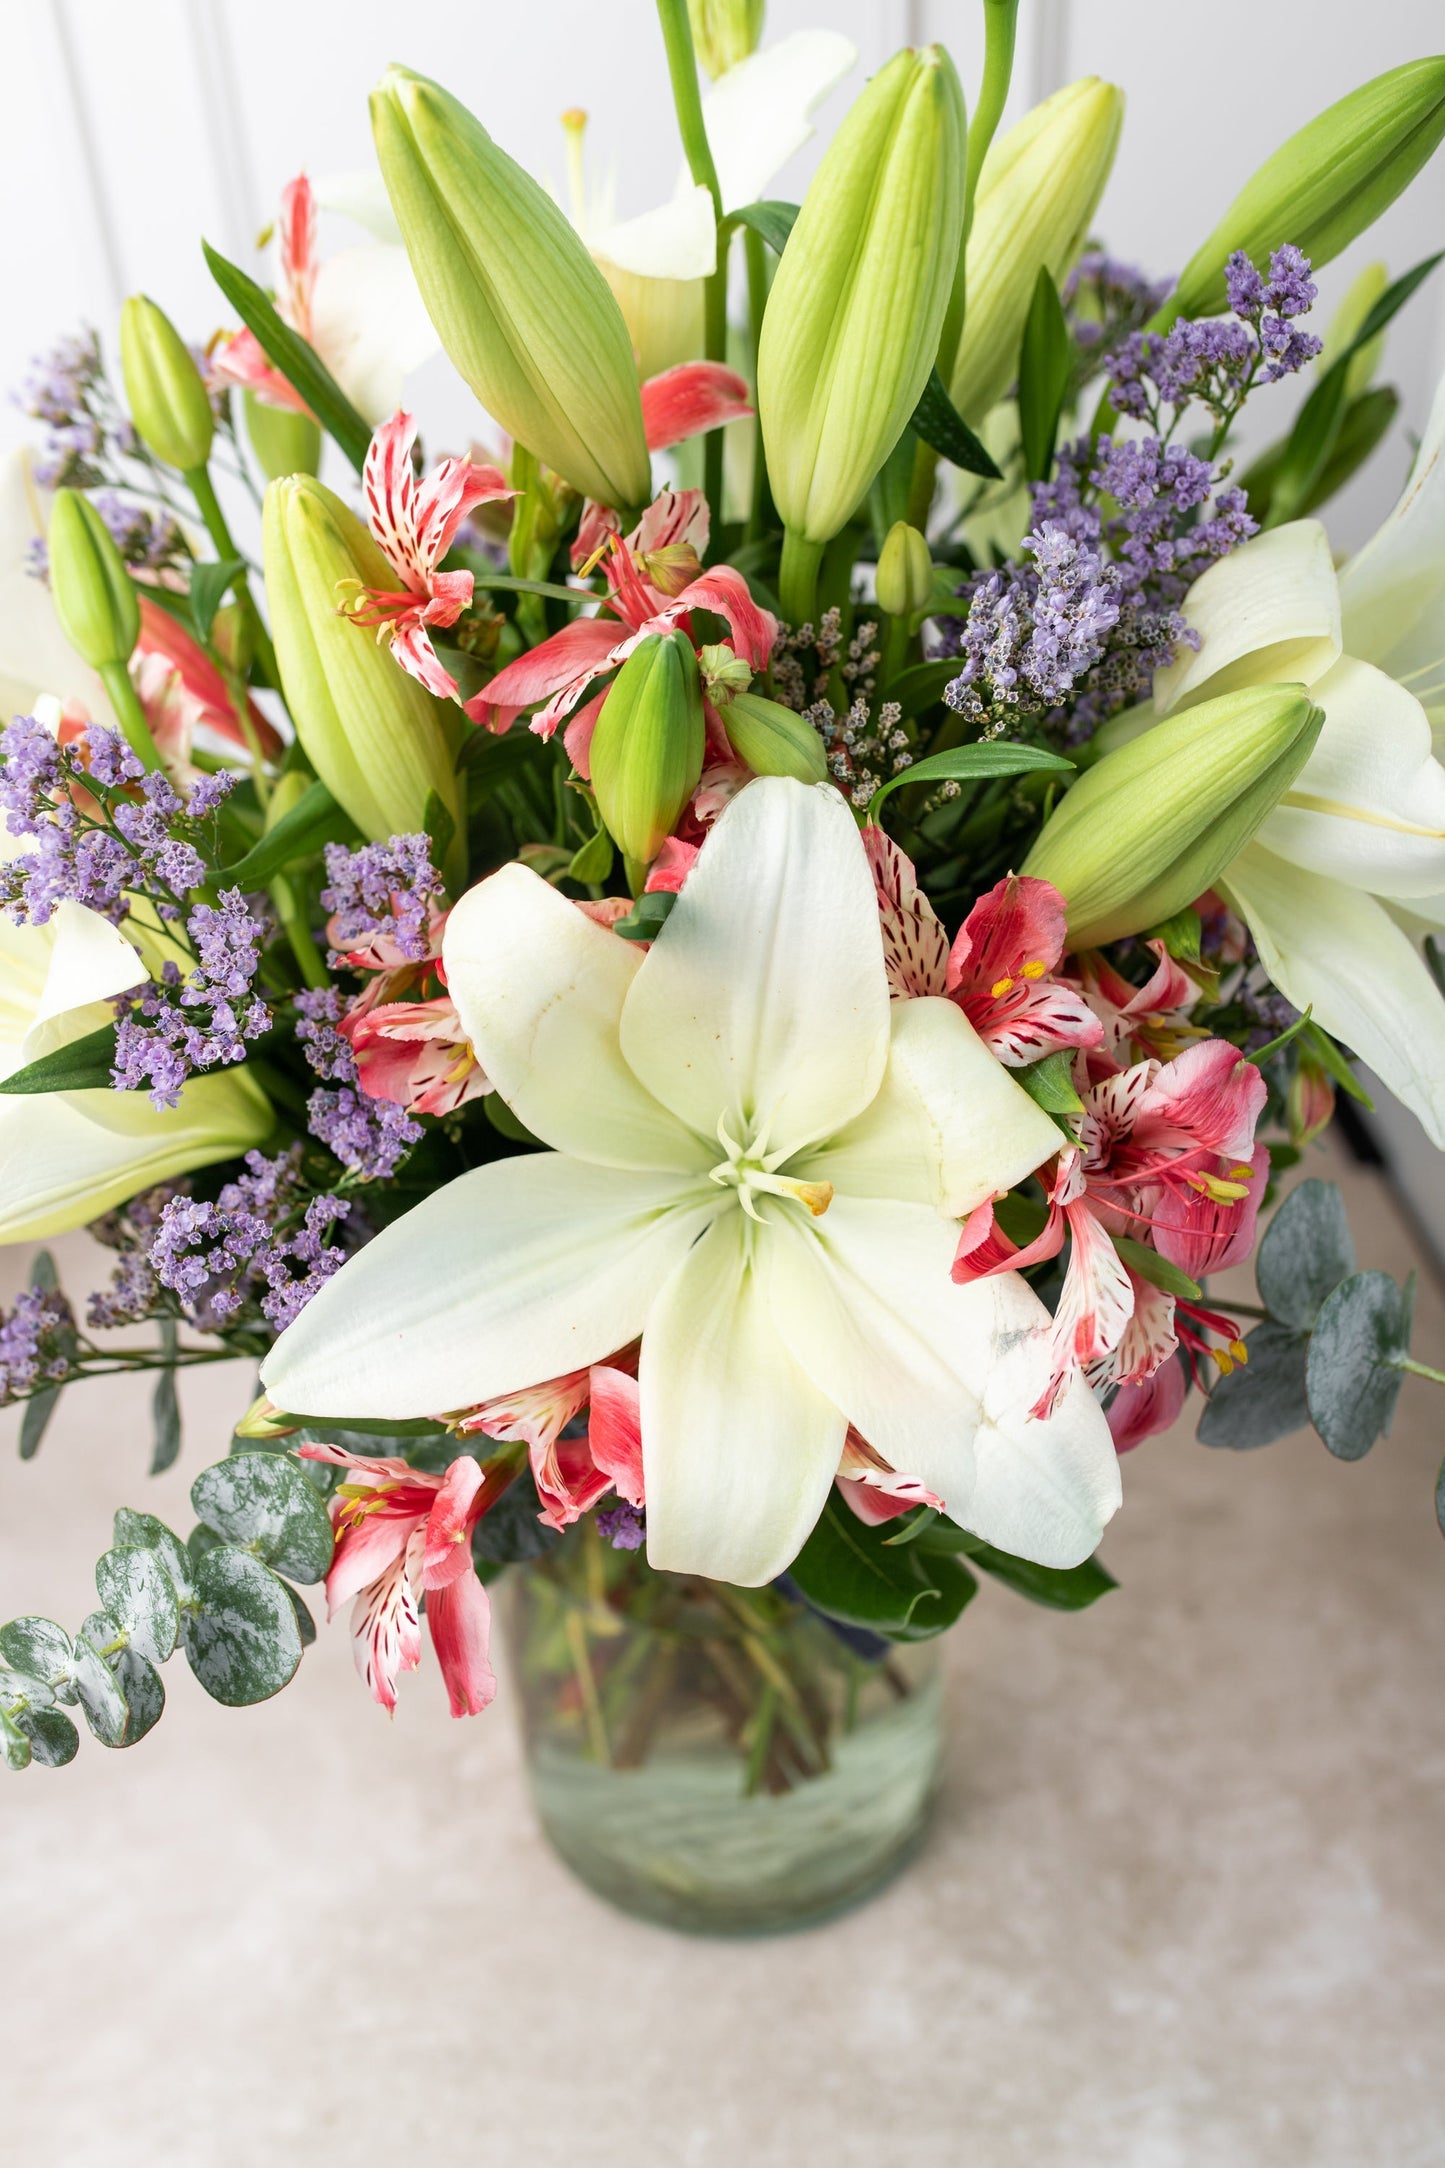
<point>1001,986</point>
<point>1239,1351</point>
<point>1036,969</point>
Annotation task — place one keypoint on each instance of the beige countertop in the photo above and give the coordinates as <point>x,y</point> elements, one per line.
<point>1183,1906</point>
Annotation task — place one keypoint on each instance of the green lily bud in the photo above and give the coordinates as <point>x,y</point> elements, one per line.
<point>374,735</point>
<point>1157,820</point>
<point>725,32</point>
<point>284,441</point>
<point>1348,318</point>
<point>94,597</point>
<point>905,571</point>
<point>724,675</point>
<point>774,740</point>
<point>231,637</point>
<point>647,747</point>
<point>164,389</point>
<point>852,324</point>
<point>518,303</point>
<point>1329,182</point>
<point>1037,194</point>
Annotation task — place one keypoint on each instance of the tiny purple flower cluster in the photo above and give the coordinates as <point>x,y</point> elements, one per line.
<point>133,1289</point>
<point>319,1010</point>
<point>258,1246</point>
<point>1216,360</point>
<point>89,440</point>
<point>1033,629</point>
<point>33,1341</point>
<point>381,893</point>
<point>147,540</point>
<point>369,1136</point>
<point>182,1023</point>
<point>1105,300</point>
<point>623,1525</point>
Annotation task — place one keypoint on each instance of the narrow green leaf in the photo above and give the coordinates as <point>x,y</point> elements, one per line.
<point>84,1065</point>
<point>263,1500</point>
<point>1304,1254</point>
<point>1334,1064</point>
<point>43,1274</point>
<point>1045,365</point>
<point>1353,1374</point>
<point>773,219</point>
<point>938,422</point>
<point>243,1644</point>
<point>1156,1269</point>
<point>297,360</point>
<point>1267,1053</point>
<point>207,587</point>
<point>441,828</point>
<point>36,1419</point>
<point>1059,1588</point>
<point>315,819</point>
<point>165,1408</point>
<point>970,763</point>
<point>1050,1083</point>
<point>1264,1398</point>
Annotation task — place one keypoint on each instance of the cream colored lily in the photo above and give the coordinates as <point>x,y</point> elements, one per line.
<point>757,1164</point>
<point>66,1157</point>
<point>1358,840</point>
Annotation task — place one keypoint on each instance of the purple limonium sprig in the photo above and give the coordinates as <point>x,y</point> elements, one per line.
<point>369,1136</point>
<point>262,1245</point>
<point>33,1342</point>
<point>1218,360</point>
<point>623,1525</point>
<point>383,891</point>
<point>1105,299</point>
<point>183,1022</point>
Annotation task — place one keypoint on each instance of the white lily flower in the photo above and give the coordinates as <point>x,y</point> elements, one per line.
<point>66,1157</point>
<point>1392,592</point>
<point>1360,834</point>
<point>757,115</point>
<point>757,1164</point>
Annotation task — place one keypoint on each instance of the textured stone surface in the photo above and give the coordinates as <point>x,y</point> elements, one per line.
<point>1182,1908</point>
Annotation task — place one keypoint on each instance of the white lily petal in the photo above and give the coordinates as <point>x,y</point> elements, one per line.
<point>739,1447</point>
<point>521,1270</point>
<point>1340,953</point>
<point>1368,807</point>
<point>760,112</point>
<point>539,988</point>
<point>369,325</point>
<point>362,197</point>
<point>764,999</point>
<point>66,1157</point>
<point>678,240</point>
<point>949,1126</point>
<point>1393,590</point>
<point>90,960</point>
<point>35,656</point>
<point>1267,613</point>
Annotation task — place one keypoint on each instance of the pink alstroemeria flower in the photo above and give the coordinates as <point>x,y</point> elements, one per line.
<point>1000,967</point>
<point>1138,1021</point>
<point>404,1031</point>
<point>401,1533</point>
<point>571,1474</point>
<point>559,670</point>
<point>875,1492</point>
<point>240,358</point>
<point>1166,1154</point>
<point>681,402</point>
<point>181,689</point>
<point>416,524</point>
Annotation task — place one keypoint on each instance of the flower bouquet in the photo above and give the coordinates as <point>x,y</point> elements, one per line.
<point>704,985</point>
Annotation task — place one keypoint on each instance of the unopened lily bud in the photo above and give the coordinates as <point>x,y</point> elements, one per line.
<point>905,571</point>
<point>375,737</point>
<point>164,389</point>
<point>852,323</point>
<point>647,747</point>
<point>1037,194</point>
<point>1309,1102</point>
<point>518,303</point>
<point>231,637</point>
<point>774,740</point>
<point>1346,321</point>
<point>284,441</point>
<point>725,32</point>
<point>263,1419</point>
<point>1156,822</point>
<point>1329,182</point>
<point>93,594</point>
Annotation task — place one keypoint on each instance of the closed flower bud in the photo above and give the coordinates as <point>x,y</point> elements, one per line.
<point>164,389</point>
<point>725,32</point>
<point>905,571</point>
<point>774,740</point>
<point>1158,819</point>
<point>646,754</point>
<point>92,591</point>
<point>263,1419</point>
<point>284,441</point>
<point>518,303</point>
<point>1329,182</point>
<point>853,319</point>
<point>376,738</point>
<point>1037,194</point>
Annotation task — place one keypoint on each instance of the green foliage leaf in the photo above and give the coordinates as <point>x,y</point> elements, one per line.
<point>773,219</point>
<point>142,1531</point>
<point>40,1647</point>
<point>145,1696</point>
<point>1180,935</point>
<point>1264,1398</point>
<point>84,1065</point>
<point>297,360</point>
<point>923,685</point>
<point>166,1408</point>
<point>305,1623</point>
<point>263,1501</point>
<point>1305,1253</point>
<point>136,1590</point>
<point>440,826</point>
<point>1058,1588</point>
<point>208,585</point>
<point>1156,1269</point>
<point>54,1740</point>
<point>1353,1375</point>
<point>13,1744</point>
<point>938,422</point>
<point>36,1419</point>
<point>648,916</point>
<point>1045,365</point>
<point>1050,1083</point>
<point>100,1696</point>
<point>1333,1062</point>
<point>243,1644</point>
<point>20,1686</point>
<point>852,1572</point>
<point>592,861</point>
<point>315,819</point>
<point>970,764</point>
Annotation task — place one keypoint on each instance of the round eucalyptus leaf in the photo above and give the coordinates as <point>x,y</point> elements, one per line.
<point>100,1696</point>
<point>54,1740</point>
<point>22,1686</point>
<point>264,1502</point>
<point>305,1623</point>
<point>144,1532</point>
<point>140,1682</point>
<point>138,1592</point>
<point>1353,1376</point>
<point>40,1647</point>
<point>243,1643</point>
<point>14,1746</point>
<point>1264,1398</point>
<point>1305,1253</point>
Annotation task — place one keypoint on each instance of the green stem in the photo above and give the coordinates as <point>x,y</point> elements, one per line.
<point>129,713</point>
<point>309,960</point>
<point>587,1687</point>
<point>798,578</point>
<point>687,101</point>
<point>208,504</point>
<point>1420,1370</point>
<point>755,256</point>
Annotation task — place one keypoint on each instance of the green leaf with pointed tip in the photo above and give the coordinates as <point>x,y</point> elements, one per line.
<point>938,422</point>
<point>1264,1398</point>
<point>54,1740</point>
<point>1353,1373</point>
<point>1046,362</point>
<point>1156,1269</point>
<point>36,1420</point>
<point>648,915</point>
<point>297,360</point>
<point>592,860</point>
<point>1050,1083</point>
<point>165,1409</point>
<point>1059,1588</point>
<point>142,1531</point>
<point>440,825</point>
<point>243,1644</point>
<point>82,1066</point>
<point>1304,1254</point>
<point>264,1502</point>
<point>969,764</point>
<point>1334,1064</point>
<point>208,585</point>
<point>137,1591</point>
<point>922,685</point>
<point>773,219</point>
<point>850,1571</point>
<point>314,820</point>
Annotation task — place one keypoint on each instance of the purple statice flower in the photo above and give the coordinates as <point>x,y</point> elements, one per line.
<point>1034,628</point>
<point>183,1022</point>
<point>370,1137</point>
<point>147,540</point>
<point>383,892</point>
<point>261,1246</point>
<point>319,1010</point>
<point>1105,300</point>
<point>623,1526</point>
<point>1216,360</point>
<point>133,1291</point>
<point>63,391</point>
<point>31,771</point>
<point>35,1339</point>
<point>128,1298</point>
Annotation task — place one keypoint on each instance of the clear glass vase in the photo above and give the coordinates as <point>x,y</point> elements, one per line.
<point>717,1759</point>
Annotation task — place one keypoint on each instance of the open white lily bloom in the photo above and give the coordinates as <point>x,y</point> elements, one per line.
<point>66,1157</point>
<point>368,320</point>
<point>756,1166</point>
<point>1358,840</point>
<point>1392,592</point>
<point>757,115</point>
